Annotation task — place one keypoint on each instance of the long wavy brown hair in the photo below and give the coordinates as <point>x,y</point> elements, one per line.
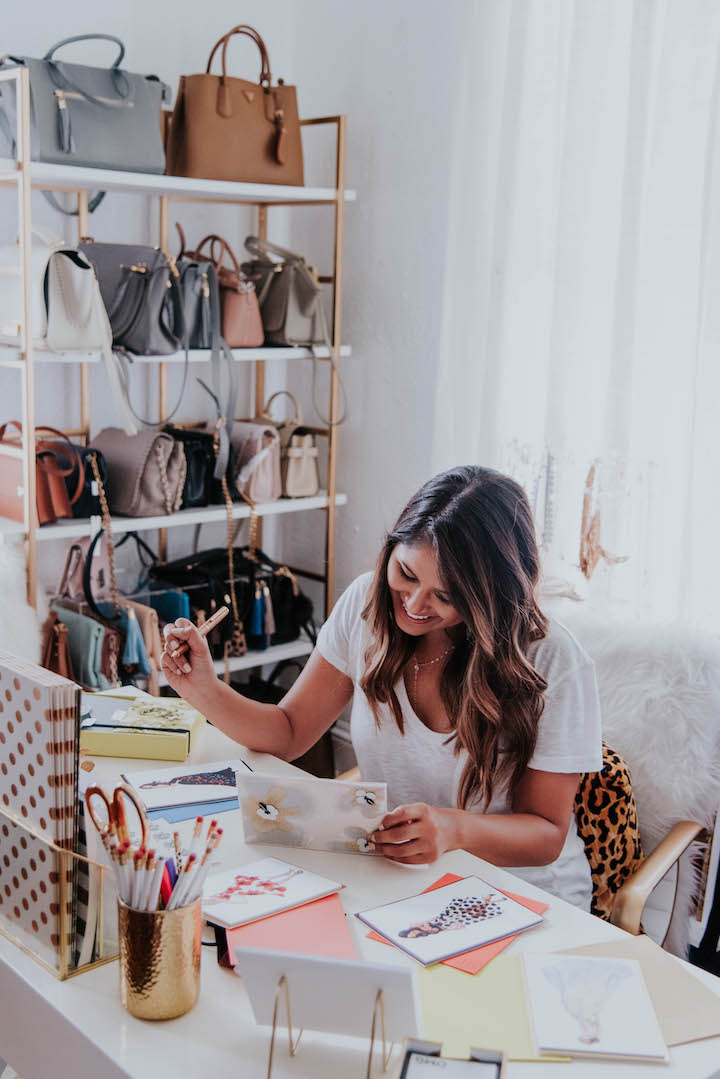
<point>480,526</point>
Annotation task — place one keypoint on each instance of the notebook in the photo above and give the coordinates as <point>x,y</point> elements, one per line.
<point>318,814</point>
<point>249,892</point>
<point>39,729</point>
<point>447,921</point>
<point>318,928</point>
<point>592,1007</point>
<point>159,728</point>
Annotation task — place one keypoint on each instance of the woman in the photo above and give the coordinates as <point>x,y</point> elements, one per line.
<point>478,712</point>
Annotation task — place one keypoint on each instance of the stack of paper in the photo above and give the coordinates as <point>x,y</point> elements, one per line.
<point>179,793</point>
<point>38,786</point>
<point>251,892</point>
<point>447,921</point>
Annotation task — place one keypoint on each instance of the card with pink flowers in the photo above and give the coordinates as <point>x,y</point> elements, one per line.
<point>318,814</point>
<point>250,892</point>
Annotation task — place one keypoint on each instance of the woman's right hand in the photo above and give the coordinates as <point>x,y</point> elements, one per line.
<point>192,674</point>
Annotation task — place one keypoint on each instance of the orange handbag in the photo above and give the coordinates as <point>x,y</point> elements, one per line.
<point>51,495</point>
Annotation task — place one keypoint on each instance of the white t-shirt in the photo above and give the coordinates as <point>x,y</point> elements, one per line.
<point>419,767</point>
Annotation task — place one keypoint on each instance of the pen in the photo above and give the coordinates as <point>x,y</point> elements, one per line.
<point>165,885</point>
<point>195,841</point>
<point>203,630</point>
<point>156,880</point>
<point>172,871</point>
<point>198,881</point>
<point>177,897</point>
<point>178,851</point>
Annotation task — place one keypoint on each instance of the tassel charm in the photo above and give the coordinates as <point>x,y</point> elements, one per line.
<point>269,613</point>
<point>65,138</point>
<point>257,619</point>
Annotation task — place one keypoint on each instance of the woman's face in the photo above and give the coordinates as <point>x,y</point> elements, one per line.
<point>420,602</point>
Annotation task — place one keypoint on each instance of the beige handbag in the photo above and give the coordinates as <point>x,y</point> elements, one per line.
<point>256,461</point>
<point>145,472</point>
<point>298,464</point>
<point>150,628</point>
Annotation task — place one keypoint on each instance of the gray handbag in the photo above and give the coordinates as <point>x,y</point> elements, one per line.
<point>291,306</point>
<point>145,472</point>
<point>103,117</point>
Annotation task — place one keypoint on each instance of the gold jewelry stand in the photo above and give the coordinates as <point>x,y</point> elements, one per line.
<point>63,864</point>
<point>378,1010</point>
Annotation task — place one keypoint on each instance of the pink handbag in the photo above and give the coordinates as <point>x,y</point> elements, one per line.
<point>256,455</point>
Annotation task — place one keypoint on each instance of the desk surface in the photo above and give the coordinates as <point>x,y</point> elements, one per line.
<point>78,1028</point>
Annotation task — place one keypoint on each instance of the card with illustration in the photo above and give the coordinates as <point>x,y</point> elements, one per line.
<point>269,886</point>
<point>164,788</point>
<point>447,921</point>
<point>319,814</point>
<point>588,1006</point>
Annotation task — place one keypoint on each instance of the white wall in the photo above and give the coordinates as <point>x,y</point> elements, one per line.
<point>391,69</point>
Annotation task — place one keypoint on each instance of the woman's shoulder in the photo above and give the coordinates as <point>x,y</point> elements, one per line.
<point>558,654</point>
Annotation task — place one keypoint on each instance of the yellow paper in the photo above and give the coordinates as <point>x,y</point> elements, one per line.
<point>487,1011</point>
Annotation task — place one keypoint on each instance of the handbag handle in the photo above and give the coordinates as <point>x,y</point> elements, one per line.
<point>46,451</point>
<point>225,249</point>
<point>297,419</point>
<point>63,82</point>
<point>89,37</point>
<point>256,247</point>
<point>247,31</point>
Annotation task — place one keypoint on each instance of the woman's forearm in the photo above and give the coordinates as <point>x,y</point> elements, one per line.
<point>264,728</point>
<point>505,839</point>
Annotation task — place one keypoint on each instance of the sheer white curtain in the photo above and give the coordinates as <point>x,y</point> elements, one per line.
<point>581,311</point>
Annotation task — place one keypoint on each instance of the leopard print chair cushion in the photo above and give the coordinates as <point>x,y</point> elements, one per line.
<point>608,826</point>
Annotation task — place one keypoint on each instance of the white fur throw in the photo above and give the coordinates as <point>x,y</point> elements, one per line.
<point>19,623</point>
<point>660,697</point>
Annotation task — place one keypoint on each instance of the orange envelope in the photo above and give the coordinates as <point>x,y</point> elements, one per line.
<point>473,961</point>
<point>317,928</point>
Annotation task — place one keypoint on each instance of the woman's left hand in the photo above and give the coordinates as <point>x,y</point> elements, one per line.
<point>415,834</point>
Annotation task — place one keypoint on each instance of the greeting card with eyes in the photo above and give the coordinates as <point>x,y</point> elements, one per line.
<point>319,814</point>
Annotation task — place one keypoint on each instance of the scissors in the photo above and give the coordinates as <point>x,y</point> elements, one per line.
<point>113,823</point>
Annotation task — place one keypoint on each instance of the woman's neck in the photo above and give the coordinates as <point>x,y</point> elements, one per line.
<point>432,644</point>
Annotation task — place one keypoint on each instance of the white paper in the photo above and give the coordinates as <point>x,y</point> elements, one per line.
<point>448,921</point>
<point>164,788</point>
<point>258,889</point>
<point>592,1006</point>
<point>421,1066</point>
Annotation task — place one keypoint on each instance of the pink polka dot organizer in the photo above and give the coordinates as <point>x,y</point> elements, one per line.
<point>39,738</point>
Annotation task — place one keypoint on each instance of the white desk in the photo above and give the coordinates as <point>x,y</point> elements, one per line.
<point>78,1029</point>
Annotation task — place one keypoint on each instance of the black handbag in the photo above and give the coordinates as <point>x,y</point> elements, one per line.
<point>204,577</point>
<point>73,462</point>
<point>201,488</point>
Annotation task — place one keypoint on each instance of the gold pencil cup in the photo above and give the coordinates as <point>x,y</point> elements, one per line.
<point>159,960</point>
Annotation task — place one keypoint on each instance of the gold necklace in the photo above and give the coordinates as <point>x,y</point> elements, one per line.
<point>425,663</point>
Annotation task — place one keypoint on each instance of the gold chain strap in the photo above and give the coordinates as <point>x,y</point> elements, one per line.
<point>162,469</point>
<point>107,528</point>
<point>237,645</point>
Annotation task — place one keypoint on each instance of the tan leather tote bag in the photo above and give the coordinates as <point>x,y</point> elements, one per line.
<point>224,128</point>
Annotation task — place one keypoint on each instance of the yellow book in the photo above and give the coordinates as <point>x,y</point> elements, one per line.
<point>147,728</point>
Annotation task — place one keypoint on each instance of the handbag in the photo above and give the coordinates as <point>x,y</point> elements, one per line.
<point>299,455</point>
<point>240,319</point>
<point>55,655</point>
<point>85,641</point>
<point>52,467</point>
<point>80,475</point>
<point>104,117</point>
<point>146,472</point>
<point>201,296</point>
<point>224,128</point>
<point>256,461</point>
<point>201,487</point>
<point>140,288</point>
<point>288,294</point>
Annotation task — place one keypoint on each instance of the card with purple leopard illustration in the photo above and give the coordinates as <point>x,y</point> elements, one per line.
<point>448,921</point>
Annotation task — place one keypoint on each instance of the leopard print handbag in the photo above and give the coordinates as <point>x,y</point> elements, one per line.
<point>607,823</point>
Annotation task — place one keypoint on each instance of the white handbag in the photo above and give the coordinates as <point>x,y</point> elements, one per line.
<point>298,464</point>
<point>257,461</point>
<point>68,313</point>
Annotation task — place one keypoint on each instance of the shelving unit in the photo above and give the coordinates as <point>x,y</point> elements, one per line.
<point>23,354</point>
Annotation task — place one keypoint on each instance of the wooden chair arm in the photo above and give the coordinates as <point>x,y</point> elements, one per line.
<point>631,898</point>
<point>351,775</point>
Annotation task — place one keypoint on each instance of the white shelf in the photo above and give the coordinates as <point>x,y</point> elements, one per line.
<point>83,526</point>
<point>182,188</point>
<point>9,349</point>
<point>269,656</point>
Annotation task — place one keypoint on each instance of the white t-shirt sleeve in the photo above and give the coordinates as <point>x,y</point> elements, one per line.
<point>570,731</point>
<point>339,639</point>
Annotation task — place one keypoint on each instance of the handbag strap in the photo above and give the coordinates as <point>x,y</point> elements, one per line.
<point>247,31</point>
<point>259,247</point>
<point>64,82</point>
<point>225,249</point>
<point>107,529</point>
<point>297,419</point>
